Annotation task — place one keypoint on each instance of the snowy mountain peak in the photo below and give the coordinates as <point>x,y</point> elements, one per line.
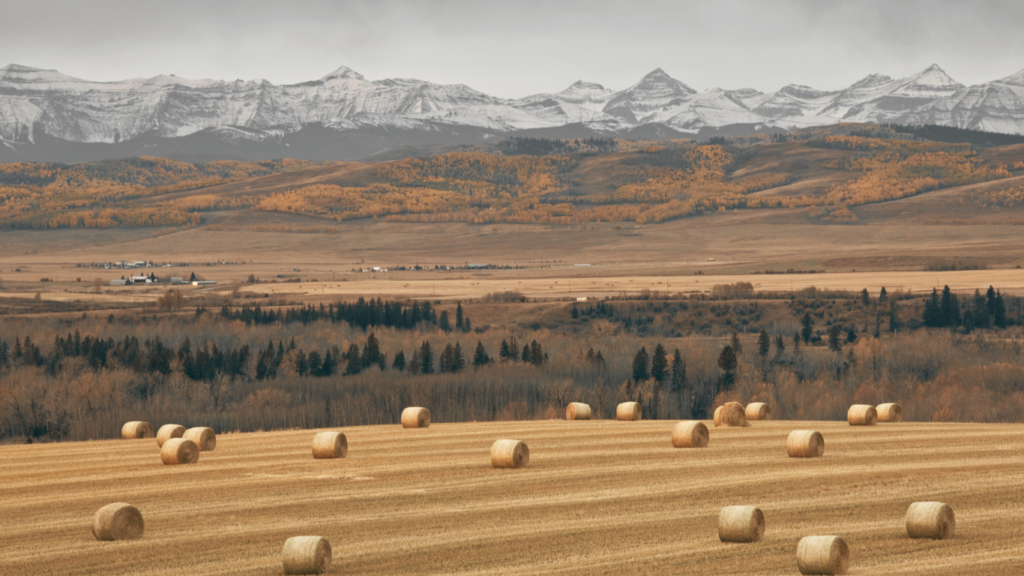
<point>1015,79</point>
<point>658,79</point>
<point>19,68</point>
<point>34,100</point>
<point>932,82</point>
<point>344,73</point>
<point>581,90</point>
<point>870,81</point>
<point>580,86</point>
<point>934,76</point>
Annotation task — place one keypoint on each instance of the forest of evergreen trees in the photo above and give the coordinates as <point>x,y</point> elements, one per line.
<point>809,354</point>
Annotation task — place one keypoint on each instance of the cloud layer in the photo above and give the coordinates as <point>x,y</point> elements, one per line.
<point>513,49</point>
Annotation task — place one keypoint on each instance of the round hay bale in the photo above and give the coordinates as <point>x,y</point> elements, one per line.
<point>890,412</point>
<point>168,431</point>
<point>577,411</point>
<point>330,445</point>
<point>862,415</point>
<point>135,430</point>
<point>805,444</point>
<point>118,521</point>
<point>758,411</point>
<point>822,555</point>
<point>690,434</point>
<point>204,438</point>
<point>306,555</point>
<point>933,520</point>
<point>415,417</point>
<point>731,414</point>
<point>740,524</point>
<point>509,454</point>
<point>179,451</point>
<point>628,411</point>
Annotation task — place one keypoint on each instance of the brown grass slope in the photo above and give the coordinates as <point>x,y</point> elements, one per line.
<point>599,497</point>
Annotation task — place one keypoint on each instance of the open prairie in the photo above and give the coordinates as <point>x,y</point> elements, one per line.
<point>618,216</point>
<point>598,497</point>
<point>680,256</point>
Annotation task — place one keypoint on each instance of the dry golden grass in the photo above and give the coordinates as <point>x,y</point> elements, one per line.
<point>599,497</point>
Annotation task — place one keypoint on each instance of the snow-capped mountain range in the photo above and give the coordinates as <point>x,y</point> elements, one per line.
<point>47,108</point>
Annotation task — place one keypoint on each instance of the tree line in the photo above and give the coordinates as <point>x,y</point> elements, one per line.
<point>375,312</point>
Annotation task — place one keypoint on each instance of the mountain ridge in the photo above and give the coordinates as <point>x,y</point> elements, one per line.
<point>78,111</point>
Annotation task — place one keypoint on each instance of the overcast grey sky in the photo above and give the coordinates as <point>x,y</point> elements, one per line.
<point>517,47</point>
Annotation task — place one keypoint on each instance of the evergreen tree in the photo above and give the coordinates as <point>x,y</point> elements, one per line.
<point>399,362</point>
<point>764,343</point>
<point>834,344</point>
<point>865,298</point>
<point>261,368</point>
<point>415,366</point>
<point>330,364</point>
<point>808,327</point>
<point>426,358</point>
<point>315,362</point>
<point>737,346</point>
<point>641,363</point>
<point>851,334</point>
<point>980,313</point>
<point>458,317</point>
<point>883,296</point>
<point>575,312</point>
<point>678,371</point>
<point>459,359</point>
<point>301,363</point>
<point>371,352</point>
<point>466,328</point>
<point>480,357</point>
<point>526,354</point>
<point>537,356</point>
<point>998,311</point>
<point>599,360</point>
<point>780,344</point>
<point>353,363</point>
<point>727,362</point>
<point>659,364</point>
<point>678,385</point>
<point>446,360</point>
<point>932,311</point>
<point>504,353</point>
<point>949,307</point>
<point>990,298</point>
<point>443,323</point>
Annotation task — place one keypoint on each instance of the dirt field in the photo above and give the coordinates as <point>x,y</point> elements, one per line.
<point>681,256</point>
<point>1008,281</point>
<point>599,497</point>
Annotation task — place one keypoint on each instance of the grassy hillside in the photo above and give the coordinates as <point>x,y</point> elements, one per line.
<point>825,173</point>
<point>598,497</point>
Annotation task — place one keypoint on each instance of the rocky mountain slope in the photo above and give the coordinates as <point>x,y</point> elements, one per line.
<point>48,115</point>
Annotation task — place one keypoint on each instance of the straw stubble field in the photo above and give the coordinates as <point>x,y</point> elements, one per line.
<point>598,497</point>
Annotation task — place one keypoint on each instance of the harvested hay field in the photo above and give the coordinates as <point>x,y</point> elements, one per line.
<point>599,497</point>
